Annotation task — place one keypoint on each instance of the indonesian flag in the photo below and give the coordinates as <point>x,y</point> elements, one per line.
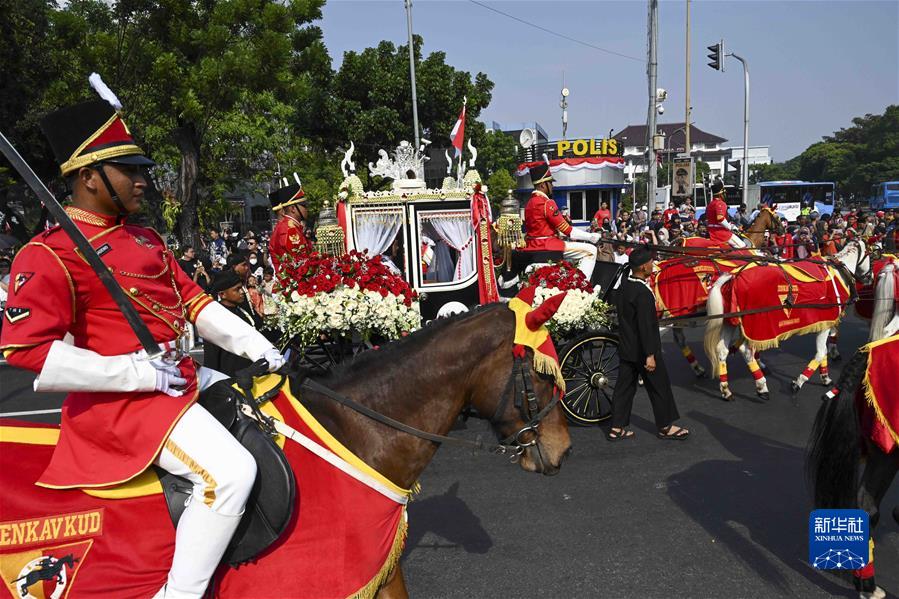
<point>457,135</point>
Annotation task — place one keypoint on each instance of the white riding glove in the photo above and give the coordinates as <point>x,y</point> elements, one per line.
<point>274,358</point>
<point>168,377</point>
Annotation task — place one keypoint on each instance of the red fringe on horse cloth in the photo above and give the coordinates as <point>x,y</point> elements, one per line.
<point>880,421</point>
<point>344,540</point>
<point>864,305</point>
<point>759,286</point>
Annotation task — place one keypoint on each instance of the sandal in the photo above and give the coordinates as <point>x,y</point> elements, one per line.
<point>679,434</point>
<point>621,433</point>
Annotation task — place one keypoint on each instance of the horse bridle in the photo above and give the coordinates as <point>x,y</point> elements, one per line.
<point>513,445</point>
<point>524,400</point>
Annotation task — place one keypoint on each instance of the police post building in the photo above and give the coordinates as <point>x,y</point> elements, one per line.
<point>587,172</point>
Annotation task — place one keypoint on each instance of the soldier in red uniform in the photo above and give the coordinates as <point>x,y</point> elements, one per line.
<point>124,411</point>
<point>720,229</point>
<point>288,240</point>
<point>543,223</point>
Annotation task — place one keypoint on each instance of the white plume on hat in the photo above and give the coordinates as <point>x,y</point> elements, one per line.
<point>103,90</point>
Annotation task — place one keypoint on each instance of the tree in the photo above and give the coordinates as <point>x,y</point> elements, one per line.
<point>371,101</point>
<point>208,86</point>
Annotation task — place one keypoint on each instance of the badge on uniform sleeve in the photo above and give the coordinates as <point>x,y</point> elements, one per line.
<point>21,279</point>
<point>14,315</point>
<point>294,238</point>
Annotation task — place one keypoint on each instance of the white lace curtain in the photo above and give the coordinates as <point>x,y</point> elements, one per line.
<point>455,229</point>
<point>376,230</point>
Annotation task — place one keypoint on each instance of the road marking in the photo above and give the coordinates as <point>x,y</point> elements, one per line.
<point>30,413</point>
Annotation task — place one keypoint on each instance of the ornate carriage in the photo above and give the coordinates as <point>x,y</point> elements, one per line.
<point>427,236</point>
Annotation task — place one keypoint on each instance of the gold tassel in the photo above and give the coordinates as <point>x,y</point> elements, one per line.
<point>374,585</point>
<point>508,228</point>
<point>329,240</point>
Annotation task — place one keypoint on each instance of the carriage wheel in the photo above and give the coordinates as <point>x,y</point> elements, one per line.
<point>590,370</point>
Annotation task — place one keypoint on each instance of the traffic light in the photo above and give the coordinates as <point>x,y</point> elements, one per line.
<point>716,56</point>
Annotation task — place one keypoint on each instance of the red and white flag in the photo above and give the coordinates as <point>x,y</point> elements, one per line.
<point>457,135</point>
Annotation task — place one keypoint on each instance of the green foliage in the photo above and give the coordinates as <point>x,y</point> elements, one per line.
<point>498,186</point>
<point>855,158</point>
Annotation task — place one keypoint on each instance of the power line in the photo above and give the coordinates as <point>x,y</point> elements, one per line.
<point>557,34</point>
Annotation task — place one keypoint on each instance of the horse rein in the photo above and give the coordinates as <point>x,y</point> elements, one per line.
<point>513,445</point>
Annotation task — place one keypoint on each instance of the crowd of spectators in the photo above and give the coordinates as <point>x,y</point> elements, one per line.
<point>811,234</point>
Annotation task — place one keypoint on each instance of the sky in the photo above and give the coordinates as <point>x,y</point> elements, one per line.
<point>814,65</point>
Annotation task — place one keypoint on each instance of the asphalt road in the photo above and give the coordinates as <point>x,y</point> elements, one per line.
<point>724,514</point>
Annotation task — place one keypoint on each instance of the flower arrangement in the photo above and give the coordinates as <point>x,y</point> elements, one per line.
<point>581,309</point>
<point>339,296</point>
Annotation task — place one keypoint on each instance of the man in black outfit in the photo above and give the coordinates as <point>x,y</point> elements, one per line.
<point>228,290</point>
<point>640,353</point>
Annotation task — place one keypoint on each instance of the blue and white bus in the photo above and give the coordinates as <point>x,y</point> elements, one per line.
<point>886,196</point>
<point>794,197</point>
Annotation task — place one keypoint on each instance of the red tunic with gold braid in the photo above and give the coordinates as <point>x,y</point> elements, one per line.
<point>542,221</point>
<point>287,240</point>
<point>716,219</point>
<point>106,438</point>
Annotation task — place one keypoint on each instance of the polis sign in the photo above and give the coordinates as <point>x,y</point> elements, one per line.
<point>588,147</point>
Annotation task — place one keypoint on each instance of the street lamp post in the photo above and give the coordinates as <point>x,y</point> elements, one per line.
<point>412,74</point>
<point>744,174</point>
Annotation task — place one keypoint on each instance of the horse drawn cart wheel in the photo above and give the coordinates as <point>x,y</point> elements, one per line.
<point>590,369</point>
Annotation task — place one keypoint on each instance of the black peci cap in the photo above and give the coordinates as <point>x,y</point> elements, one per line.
<point>224,281</point>
<point>639,256</point>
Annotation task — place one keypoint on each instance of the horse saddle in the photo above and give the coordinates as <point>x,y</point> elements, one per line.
<point>270,505</point>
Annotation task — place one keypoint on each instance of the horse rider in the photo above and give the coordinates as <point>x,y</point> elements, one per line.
<point>721,230</point>
<point>288,241</point>
<point>126,411</point>
<point>543,222</point>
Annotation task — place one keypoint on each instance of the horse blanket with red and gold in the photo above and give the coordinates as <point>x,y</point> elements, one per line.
<point>880,421</point>
<point>864,306</point>
<point>781,295</point>
<point>343,541</point>
<point>682,284</point>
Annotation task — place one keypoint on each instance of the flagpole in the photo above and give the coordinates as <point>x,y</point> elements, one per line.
<point>412,73</point>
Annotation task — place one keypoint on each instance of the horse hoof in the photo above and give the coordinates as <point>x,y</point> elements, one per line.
<point>727,396</point>
<point>765,396</point>
<point>826,381</point>
<point>700,372</point>
<point>877,593</point>
<point>794,387</point>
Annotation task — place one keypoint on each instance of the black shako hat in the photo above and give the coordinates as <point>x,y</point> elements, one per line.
<point>540,173</point>
<point>288,195</point>
<point>639,256</point>
<point>90,133</point>
<point>225,280</point>
<point>717,185</point>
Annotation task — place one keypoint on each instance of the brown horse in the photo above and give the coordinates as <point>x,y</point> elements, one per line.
<point>765,221</point>
<point>426,380</point>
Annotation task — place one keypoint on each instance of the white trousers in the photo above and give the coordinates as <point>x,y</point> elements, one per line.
<point>583,254</point>
<point>736,241</point>
<point>222,472</point>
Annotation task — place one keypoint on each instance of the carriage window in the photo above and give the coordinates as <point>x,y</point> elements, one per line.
<point>592,203</point>
<point>576,205</point>
<point>447,251</point>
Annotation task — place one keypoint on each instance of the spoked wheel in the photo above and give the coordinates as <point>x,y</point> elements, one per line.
<point>590,370</point>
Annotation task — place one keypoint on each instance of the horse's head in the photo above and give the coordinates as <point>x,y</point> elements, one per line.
<point>769,221</point>
<point>520,403</point>
<point>857,259</point>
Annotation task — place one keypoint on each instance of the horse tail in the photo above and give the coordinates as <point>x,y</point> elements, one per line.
<point>714,307</point>
<point>884,298</point>
<point>834,450</point>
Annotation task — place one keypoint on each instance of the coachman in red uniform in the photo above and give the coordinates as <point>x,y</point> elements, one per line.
<point>720,229</point>
<point>288,241</point>
<point>544,223</point>
<point>124,411</point>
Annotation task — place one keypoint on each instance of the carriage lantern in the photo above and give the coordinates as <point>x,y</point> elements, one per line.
<point>509,224</point>
<point>329,236</point>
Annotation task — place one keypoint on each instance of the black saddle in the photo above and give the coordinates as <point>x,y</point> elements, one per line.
<point>270,506</point>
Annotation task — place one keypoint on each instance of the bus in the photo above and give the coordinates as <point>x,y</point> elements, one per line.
<point>885,196</point>
<point>792,197</point>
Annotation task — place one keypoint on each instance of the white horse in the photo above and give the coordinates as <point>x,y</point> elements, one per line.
<point>885,319</point>
<point>720,335</point>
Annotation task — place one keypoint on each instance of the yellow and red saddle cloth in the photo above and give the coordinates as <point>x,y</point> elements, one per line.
<point>344,540</point>
<point>775,289</point>
<point>682,284</point>
<point>880,419</point>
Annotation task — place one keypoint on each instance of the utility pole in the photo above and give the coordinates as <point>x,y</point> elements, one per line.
<point>744,175</point>
<point>412,74</point>
<point>687,87</point>
<point>563,104</point>
<point>652,72</point>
